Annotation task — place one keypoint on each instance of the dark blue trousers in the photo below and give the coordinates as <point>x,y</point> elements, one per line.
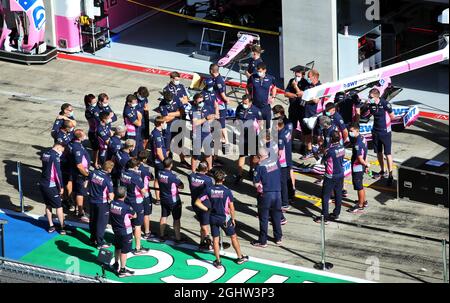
<point>269,206</point>
<point>99,216</point>
<point>284,186</point>
<point>330,187</point>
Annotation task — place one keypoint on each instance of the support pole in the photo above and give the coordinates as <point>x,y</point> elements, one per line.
<point>2,238</point>
<point>22,208</point>
<point>19,181</point>
<point>323,265</point>
<point>444,258</point>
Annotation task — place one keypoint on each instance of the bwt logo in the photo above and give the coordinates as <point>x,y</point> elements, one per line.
<point>351,84</point>
<point>373,11</point>
<point>398,112</point>
<point>365,128</point>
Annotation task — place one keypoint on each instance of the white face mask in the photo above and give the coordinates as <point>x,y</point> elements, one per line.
<point>298,79</point>
<point>164,126</point>
<point>261,74</point>
<point>141,98</point>
<point>105,104</point>
<point>245,106</point>
<point>176,83</point>
<point>71,114</point>
<point>109,121</point>
<point>201,104</point>
<point>134,105</point>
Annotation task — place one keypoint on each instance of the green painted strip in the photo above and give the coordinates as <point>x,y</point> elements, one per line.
<point>73,252</point>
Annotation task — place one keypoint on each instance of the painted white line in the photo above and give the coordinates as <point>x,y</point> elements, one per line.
<point>226,254</point>
<point>38,99</point>
<point>276,279</point>
<point>243,276</point>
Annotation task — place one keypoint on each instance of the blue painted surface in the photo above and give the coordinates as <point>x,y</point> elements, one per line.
<point>23,234</point>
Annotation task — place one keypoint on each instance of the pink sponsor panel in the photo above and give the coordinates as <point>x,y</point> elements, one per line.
<point>35,12</point>
<point>67,29</point>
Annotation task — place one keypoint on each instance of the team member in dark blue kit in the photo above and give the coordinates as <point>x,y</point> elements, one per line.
<point>198,183</point>
<point>115,143</point>
<point>382,113</point>
<point>202,118</point>
<point>103,134</point>
<point>337,120</point>
<point>121,159</point>
<point>92,113</point>
<point>142,95</point>
<point>360,165</point>
<point>136,193</point>
<point>256,59</point>
<point>334,178</point>
<point>249,122</point>
<point>286,134</point>
<point>178,96</point>
<point>80,162</point>
<point>65,134</point>
<point>120,216</point>
<point>133,122</point>
<point>147,177</point>
<point>222,102</point>
<point>210,96</point>
<point>169,184</point>
<point>267,182</point>
<point>348,106</point>
<point>159,150</point>
<point>51,185</point>
<point>263,90</point>
<point>66,114</point>
<point>218,200</point>
<point>293,92</point>
<point>101,193</point>
<point>103,103</point>
<point>284,148</point>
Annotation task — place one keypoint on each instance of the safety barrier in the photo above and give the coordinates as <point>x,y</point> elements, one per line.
<point>18,271</point>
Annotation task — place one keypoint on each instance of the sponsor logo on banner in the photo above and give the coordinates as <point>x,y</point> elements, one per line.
<point>411,116</point>
<point>38,13</point>
<point>365,129</point>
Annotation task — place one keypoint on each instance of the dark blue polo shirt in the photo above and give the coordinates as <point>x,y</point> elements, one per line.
<point>381,118</point>
<point>267,176</point>
<point>168,187</point>
<point>260,89</point>
<point>158,142</point>
<point>133,182</point>
<point>359,149</point>
<point>198,183</point>
<point>100,185</point>
<point>119,216</point>
<point>218,198</point>
<point>51,175</point>
<point>334,160</point>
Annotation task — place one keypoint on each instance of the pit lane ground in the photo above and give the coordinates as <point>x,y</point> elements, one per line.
<point>30,97</point>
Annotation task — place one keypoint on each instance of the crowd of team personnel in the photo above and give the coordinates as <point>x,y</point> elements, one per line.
<point>128,167</point>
